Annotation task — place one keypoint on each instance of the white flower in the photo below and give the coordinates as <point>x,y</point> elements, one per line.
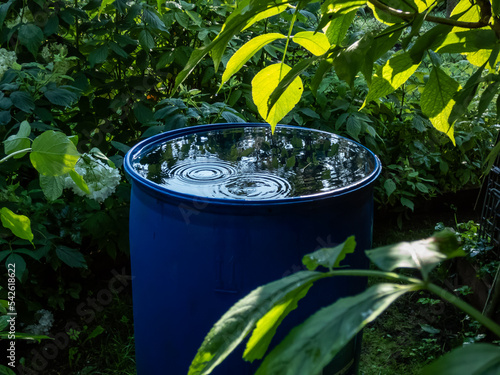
<point>46,319</point>
<point>101,179</point>
<point>7,59</point>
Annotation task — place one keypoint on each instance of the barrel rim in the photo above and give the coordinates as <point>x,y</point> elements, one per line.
<point>156,188</point>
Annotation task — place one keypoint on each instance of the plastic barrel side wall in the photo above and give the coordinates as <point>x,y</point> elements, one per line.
<point>192,259</point>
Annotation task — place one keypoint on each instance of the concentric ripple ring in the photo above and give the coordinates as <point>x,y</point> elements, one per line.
<point>255,186</point>
<point>204,171</point>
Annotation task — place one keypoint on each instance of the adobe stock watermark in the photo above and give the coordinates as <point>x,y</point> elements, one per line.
<point>87,310</point>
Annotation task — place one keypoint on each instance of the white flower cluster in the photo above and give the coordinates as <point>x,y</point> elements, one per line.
<point>7,59</point>
<point>101,179</point>
<point>44,323</point>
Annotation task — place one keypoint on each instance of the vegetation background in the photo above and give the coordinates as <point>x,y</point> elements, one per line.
<point>83,81</point>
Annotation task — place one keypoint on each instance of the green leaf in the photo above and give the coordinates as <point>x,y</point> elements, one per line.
<point>71,257</point>
<point>422,187</point>
<point>20,225</point>
<point>309,347</point>
<point>395,72</point>
<point>20,141</point>
<point>437,100</point>
<point>23,100</point>
<point>389,186</point>
<point>242,318</point>
<point>4,322</point>
<point>338,27</point>
<point>266,14</point>
<point>19,262</point>
<point>142,113</point>
<point>59,96</point>
<point>98,55</point>
<point>263,85</point>
<point>53,154</point>
<point>79,181</point>
<point>242,55</point>
<point>4,9</point>
<point>423,255</point>
<point>103,6</point>
<point>466,41</point>
<point>353,126</point>
<point>465,95</point>
<point>488,94</point>
<point>329,257</point>
<point>407,203</point>
<point>146,40</point>
<point>289,79</point>
<point>245,13</point>
<point>315,42</point>
<point>52,186</point>
<point>322,69</point>
<point>266,327</point>
<point>31,36</point>
<point>350,60</point>
<point>477,359</point>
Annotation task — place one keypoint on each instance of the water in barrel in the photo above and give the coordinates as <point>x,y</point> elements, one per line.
<point>250,163</point>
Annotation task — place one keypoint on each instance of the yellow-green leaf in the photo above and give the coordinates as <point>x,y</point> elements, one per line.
<point>395,72</point>
<point>246,51</point>
<point>79,181</point>
<point>315,42</point>
<point>20,225</point>
<point>437,100</point>
<point>266,14</point>
<point>53,154</point>
<point>263,86</point>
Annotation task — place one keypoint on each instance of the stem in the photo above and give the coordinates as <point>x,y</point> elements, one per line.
<point>288,37</point>
<point>15,153</point>
<point>465,307</point>
<point>373,273</point>
<point>445,21</point>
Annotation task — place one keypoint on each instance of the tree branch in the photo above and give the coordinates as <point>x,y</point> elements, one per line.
<point>445,21</point>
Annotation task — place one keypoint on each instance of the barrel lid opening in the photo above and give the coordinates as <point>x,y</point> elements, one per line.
<point>245,162</point>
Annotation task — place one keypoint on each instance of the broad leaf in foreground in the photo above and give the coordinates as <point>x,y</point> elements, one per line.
<point>423,255</point>
<point>242,318</point>
<point>329,257</point>
<point>53,154</point>
<point>311,346</point>
<point>477,359</point>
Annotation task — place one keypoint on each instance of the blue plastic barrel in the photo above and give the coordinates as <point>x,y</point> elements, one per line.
<point>218,210</point>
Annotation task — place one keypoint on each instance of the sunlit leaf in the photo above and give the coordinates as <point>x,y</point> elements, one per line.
<point>79,181</point>
<point>315,42</point>
<point>53,154</point>
<point>242,55</point>
<point>423,255</point>
<point>437,100</point>
<point>20,225</point>
<point>266,14</point>
<point>263,86</point>
<point>242,318</point>
<point>395,72</point>
<point>309,347</point>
